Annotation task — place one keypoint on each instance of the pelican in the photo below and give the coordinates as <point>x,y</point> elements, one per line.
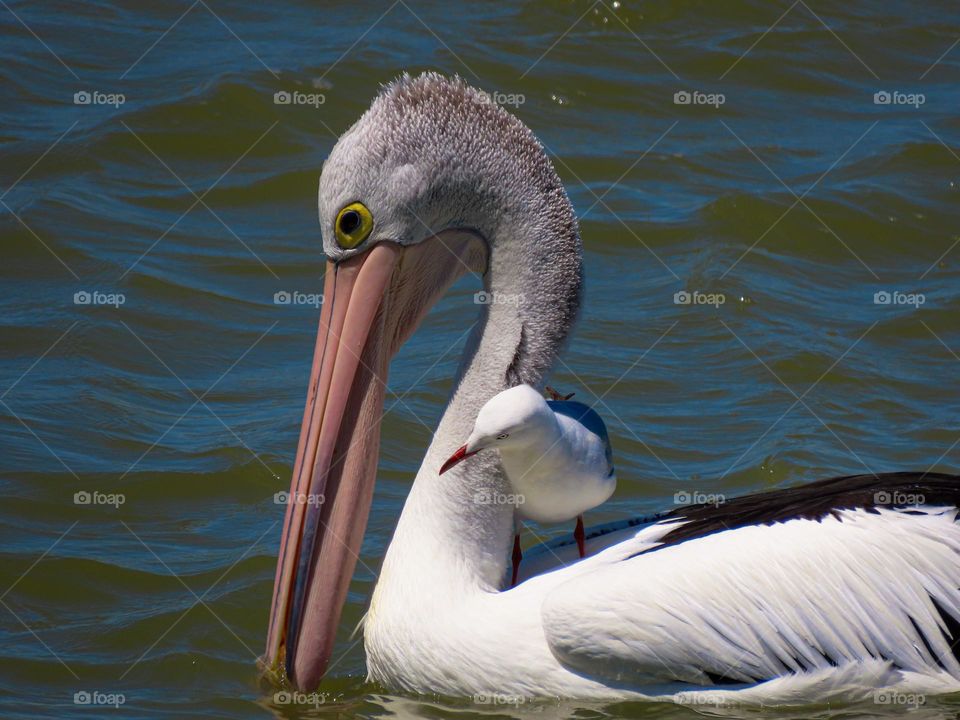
<point>831,589</point>
<point>556,455</point>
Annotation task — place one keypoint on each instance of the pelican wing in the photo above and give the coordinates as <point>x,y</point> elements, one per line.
<point>794,586</point>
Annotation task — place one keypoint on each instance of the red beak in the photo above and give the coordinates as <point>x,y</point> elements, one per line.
<point>460,454</point>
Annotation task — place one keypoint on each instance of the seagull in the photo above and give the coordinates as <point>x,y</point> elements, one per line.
<point>556,456</point>
<point>820,592</point>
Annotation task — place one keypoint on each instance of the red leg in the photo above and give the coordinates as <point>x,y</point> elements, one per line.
<point>578,534</point>
<point>517,557</point>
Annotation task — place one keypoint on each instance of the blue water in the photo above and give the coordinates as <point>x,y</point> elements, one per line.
<point>103,198</point>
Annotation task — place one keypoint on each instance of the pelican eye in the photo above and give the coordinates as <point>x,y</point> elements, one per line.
<point>353,226</point>
<point>503,436</point>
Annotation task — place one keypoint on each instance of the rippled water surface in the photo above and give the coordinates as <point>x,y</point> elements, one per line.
<point>795,200</point>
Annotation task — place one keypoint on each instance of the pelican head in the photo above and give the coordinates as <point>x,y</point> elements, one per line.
<point>432,182</point>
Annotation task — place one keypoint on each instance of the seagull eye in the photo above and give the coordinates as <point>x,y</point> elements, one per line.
<point>503,436</point>
<point>353,226</point>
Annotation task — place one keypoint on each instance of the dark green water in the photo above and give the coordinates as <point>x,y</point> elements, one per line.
<point>186,397</point>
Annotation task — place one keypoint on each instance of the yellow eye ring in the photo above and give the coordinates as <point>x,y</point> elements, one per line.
<point>353,226</point>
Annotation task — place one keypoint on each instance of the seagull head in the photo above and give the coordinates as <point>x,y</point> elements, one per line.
<point>510,419</point>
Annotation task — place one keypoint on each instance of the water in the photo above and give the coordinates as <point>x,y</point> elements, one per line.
<point>195,200</point>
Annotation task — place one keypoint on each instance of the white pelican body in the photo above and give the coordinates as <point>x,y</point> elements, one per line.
<point>827,590</point>
<point>764,614</point>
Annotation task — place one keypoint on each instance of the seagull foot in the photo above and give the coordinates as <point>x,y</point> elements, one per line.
<point>517,557</point>
<point>580,537</point>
